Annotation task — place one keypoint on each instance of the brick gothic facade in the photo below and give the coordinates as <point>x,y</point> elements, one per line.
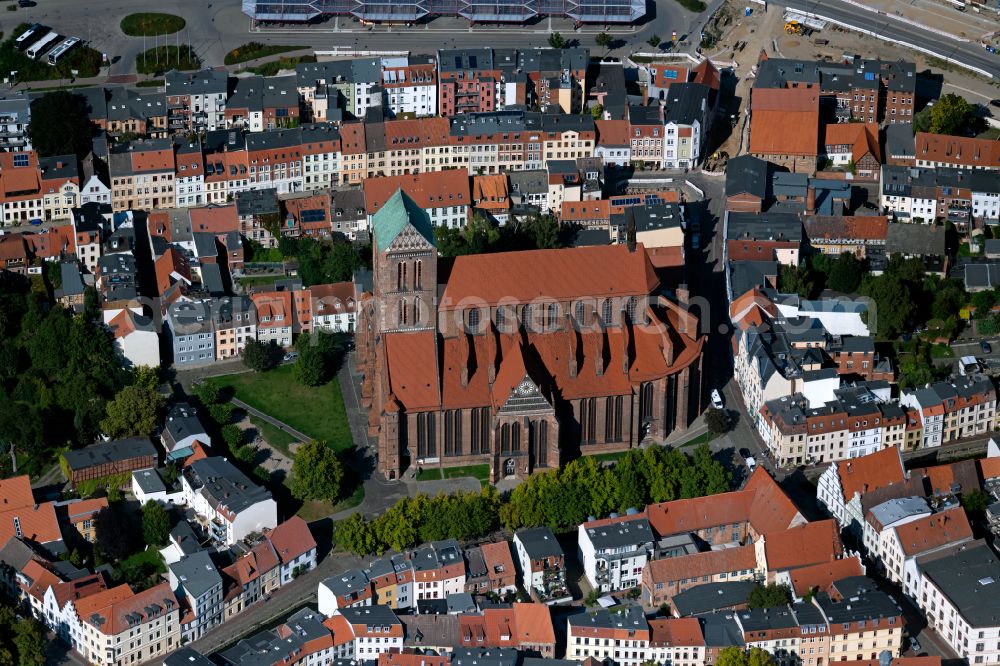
<point>522,360</point>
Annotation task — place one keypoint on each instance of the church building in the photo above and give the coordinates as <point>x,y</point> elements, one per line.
<point>522,360</point>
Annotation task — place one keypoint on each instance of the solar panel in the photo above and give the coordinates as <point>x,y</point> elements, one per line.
<point>313,215</point>
<point>21,160</point>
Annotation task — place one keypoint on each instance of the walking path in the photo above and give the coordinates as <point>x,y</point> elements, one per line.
<point>281,425</point>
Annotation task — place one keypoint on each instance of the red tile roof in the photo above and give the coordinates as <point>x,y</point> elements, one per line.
<point>821,576</point>
<point>534,623</point>
<point>865,474</point>
<point>933,531</point>
<point>675,631</point>
<point>498,555</point>
<point>37,523</point>
<point>291,539</point>
<point>430,189</point>
<point>957,150</point>
<point>15,492</point>
<point>612,132</point>
<point>708,563</point>
<point>523,277</point>
<point>115,608</point>
<point>862,137</point>
<point>812,543</point>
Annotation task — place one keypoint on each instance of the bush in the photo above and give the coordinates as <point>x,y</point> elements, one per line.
<point>150,24</point>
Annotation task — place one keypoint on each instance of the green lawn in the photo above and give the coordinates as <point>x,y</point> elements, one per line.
<point>315,411</point>
<point>150,558</point>
<point>277,439</point>
<point>429,474</point>
<point>150,24</point>
<point>481,472</point>
<point>255,50</point>
<point>703,438</point>
<point>612,457</point>
<point>275,66</point>
<point>316,509</point>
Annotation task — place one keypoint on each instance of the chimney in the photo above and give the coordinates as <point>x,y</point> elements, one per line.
<point>810,199</point>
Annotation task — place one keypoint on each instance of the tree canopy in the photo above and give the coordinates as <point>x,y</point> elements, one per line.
<point>482,236</point>
<point>57,373</point>
<point>115,532</point>
<point>556,40</point>
<point>155,523</point>
<point>319,357</point>
<point>260,356</point>
<point>735,656</point>
<point>317,473</point>
<point>951,114</point>
<point>322,261</point>
<point>22,640</point>
<point>769,596</point>
<point>135,411</point>
<point>60,124</point>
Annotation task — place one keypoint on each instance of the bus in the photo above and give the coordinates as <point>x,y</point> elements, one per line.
<point>42,45</point>
<point>59,51</point>
<point>29,36</point>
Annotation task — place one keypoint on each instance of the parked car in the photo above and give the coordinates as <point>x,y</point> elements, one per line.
<point>914,644</point>
<point>985,346</point>
<point>995,102</point>
<point>290,356</point>
<point>717,399</point>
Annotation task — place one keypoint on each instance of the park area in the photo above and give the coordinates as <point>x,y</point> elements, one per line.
<point>314,411</point>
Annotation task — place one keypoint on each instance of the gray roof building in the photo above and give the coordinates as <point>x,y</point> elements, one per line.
<point>915,240</point>
<point>746,174</point>
<point>195,574</point>
<point>539,542</point>
<point>224,485</point>
<point>110,453</point>
<point>712,597</point>
<point>187,656</point>
<point>282,644</point>
<point>632,532</point>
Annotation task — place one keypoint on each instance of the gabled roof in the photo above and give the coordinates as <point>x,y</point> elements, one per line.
<point>398,212</point>
<point>812,543</point>
<point>866,473</point>
<point>708,563</point>
<point>821,576</point>
<point>934,531</point>
<point>291,539</point>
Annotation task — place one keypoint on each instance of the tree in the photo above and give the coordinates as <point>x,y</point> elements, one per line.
<point>556,40</point>
<point>951,114</point>
<point>654,41</point>
<point>259,356</point>
<point>135,411</point>
<point>115,532</point>
<point>232,436</point>
<point>30,641</point>
<point>603,40</point>
<point>356,535</point>
<point>316,472</point>
<point>893,302</point>
<point>796,280</point>
<point>311,368</point>
<point>155,523</point>
<point>591,599</point>
<point>731,656</point>
<point>769,596</point>
<point>717,420</point>
<point>845,273</point>
<point>759,657</point>
<point>60,124</point>
<point>146,377</point>
<point>206,392</point>
<point>976,501</point>
<point>597,111</point>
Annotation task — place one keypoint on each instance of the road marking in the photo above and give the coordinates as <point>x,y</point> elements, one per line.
<point>971,92</point>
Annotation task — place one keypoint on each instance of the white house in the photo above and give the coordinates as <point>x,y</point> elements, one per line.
<point>615,550</point>
<point>958,597</point>
<point>368,631</point>
<point>542,563</point>
<point>345,590</point>
<point>136,339</point>
<point>883,518</point>
<point>907,545</point>
<point>181,429</point>
<point>908,192</point>
<point>295,546</point>
<point>195,578</point>
<point>231,505</point>
<point>844,482</point>
<point>148,486</point>
<point>333,307</point>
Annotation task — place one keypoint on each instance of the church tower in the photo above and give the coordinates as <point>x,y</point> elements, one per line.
<point>405,266</point>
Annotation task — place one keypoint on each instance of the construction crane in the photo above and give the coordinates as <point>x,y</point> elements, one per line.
<point>793,27</point>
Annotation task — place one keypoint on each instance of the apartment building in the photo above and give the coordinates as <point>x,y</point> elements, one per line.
<point>843,483</point>
<point>621,637</point>
<point>490,569</point>
<point>366,632</point>
<point>663,579</point>
<point>445,195</point>
<point>950,411</point>
<point>120,628</point>
<point>542,564</point>
<point>339,89</point>
<point>438,570</point>
<point>15,116</point>
<point>614,551</point>
<point>910,193</point>
<point>263,103</point>
<point>320,157</point>
<point>301,639</point>
<point>957,598</point>
<point>275,317</point>
<point>195,579</point>
<point>942,150</point>
<point>234,322</point>
<point>334,309</point>
<point>351,588</point>
<point>21,187</point>
<point>677,641</point>
<point>410,88</point>
<point>60,184</point>
<point>189,185</point>
<point>196,101</point>
<point>862,622</point>
<point>275,160</point>
<point>392,580</point>
<point>903,546</point>
<point>142,175</point>
<point>229,504</point>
